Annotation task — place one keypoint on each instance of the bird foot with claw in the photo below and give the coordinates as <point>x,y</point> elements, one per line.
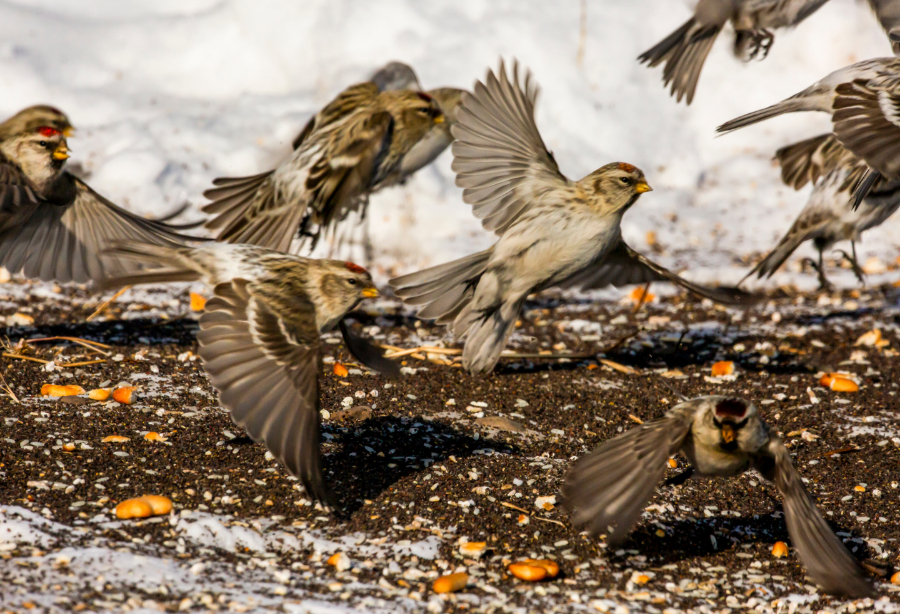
<point>854,266</point>
<point>762,44</point>
<point>824,284</point>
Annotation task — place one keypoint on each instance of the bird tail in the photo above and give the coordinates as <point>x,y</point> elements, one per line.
<point>773,261</point>
<point>684,51</point>
<point>486,334</point>
<point>174,265</point>
<point>444,290</point>
<point>790,105</point>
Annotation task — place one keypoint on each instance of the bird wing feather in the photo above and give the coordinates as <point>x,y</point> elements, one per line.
<point>826,559</point>
<point>499,157</point>
<point>612,484</point>
<point>266,369</point>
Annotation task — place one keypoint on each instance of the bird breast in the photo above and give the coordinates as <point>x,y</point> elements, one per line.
<point>550,244</point>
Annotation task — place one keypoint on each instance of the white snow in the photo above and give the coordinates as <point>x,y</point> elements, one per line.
<point>170,94</point>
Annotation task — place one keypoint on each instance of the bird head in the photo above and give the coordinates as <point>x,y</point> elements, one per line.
<point>31,119</point>
<point>729,416</point>
<point>448,99</point>
<point>416,113</point>
<point>338,287</point>
<point>395,76</point>
<point>618,184</point>
<point>40,154</point>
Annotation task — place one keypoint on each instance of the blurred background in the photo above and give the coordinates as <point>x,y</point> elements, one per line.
<point>167,95</point>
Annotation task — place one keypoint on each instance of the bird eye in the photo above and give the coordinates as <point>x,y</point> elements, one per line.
<point>43,143</point>
<point>625,180</point>
<point>352,281</point>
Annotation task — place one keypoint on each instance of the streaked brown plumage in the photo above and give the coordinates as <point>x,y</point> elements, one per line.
<point>552,231</point>
<point>863,100</point>
<point>355,146</point>
<point>829,215</point>
<point>723,437</point>
<point>53,226</point>
<point>685,50</point>
<point>259,337</point>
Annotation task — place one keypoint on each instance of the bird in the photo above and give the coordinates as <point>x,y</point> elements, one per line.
<point>395,76</point>
<point>552,231</point>
<point>859,98</point>
<point>828,216</point>
<point>34,117</point>
<point>355,146</point>
<point>888,14</point>
<point>53,226</point>
<point>259,337</point>
<point>723,437</point>
<point>684,51</point>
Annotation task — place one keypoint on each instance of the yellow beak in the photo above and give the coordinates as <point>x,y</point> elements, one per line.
<point>68,131</point>
<point>370,292</point>
<point>643,187</point>
<point>727,433</point>
<point>439,119</point>
<point>61,152</point>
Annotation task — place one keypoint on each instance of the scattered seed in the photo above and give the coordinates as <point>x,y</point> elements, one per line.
<point>450,583</point>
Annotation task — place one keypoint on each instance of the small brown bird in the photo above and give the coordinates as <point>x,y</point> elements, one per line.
<point>723,437</point>
<point>259,337</point>
<point>828,216</point>
<point>32,118</point>
<point>553,231</point>
<point>684,51</point>
<point>355,146</point>
<point>52,225</point>
<point>862,100</point>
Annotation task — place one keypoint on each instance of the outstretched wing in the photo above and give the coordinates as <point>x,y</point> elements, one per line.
<point>810,159</point>
<point>826,559</point>
<point>499,158</point>
<point>867,122</point>
<point>63,237</point>
<point>624,266</point>
<point>266,371</point>
<point>612,484</point>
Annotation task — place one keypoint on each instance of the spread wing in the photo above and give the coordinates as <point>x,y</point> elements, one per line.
<point>266,371</point>
<point>250,211</point>
<point>624,266</point>
<point>612,484</point>
<point>810,159</point>
<point>352,98</point>
<point>63,236</point>
<point>826,559</point>
<point>867,122</point>
<point>499,158</point>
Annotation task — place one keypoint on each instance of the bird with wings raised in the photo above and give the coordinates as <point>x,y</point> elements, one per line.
<point>552,231</point>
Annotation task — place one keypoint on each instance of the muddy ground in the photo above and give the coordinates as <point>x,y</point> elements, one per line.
<point>437,458</point>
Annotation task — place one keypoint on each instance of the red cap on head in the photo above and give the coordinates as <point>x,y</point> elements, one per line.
<point>628,168</point>
<point>48,131</point>
<point>355,268</point>
<point>424,96</point>
<point>732,408</point>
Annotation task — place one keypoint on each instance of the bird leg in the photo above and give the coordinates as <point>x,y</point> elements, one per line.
<point>760,42</point>
<point>681,478</point>
<point>854,263</point>
<point>824,284</point>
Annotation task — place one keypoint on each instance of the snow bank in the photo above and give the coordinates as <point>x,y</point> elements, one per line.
<point>170,94</point>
